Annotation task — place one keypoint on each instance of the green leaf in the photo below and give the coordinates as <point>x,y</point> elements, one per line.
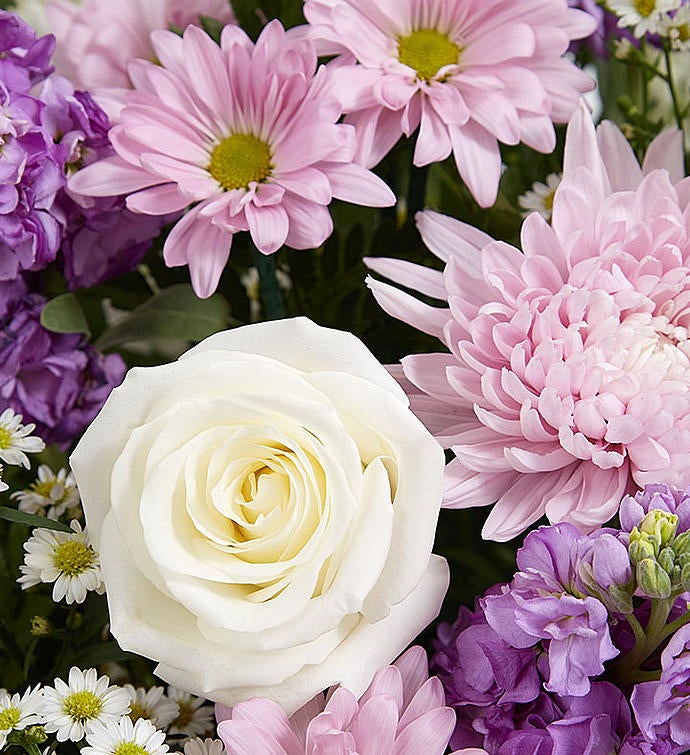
<point>64,314</point>
<point>31,520</point>
<point>103,652</point>
<point>174,313</point>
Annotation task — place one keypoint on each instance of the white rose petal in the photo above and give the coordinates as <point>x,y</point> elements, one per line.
<point>265,509</point>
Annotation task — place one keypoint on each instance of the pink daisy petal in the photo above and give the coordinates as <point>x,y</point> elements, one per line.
<point>491,71</point>
<point>250,132</point>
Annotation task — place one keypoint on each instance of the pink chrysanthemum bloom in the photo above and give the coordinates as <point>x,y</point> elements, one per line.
<point>568,377</point>
<point>97,39</point>
<point>246,133</point>
<point>469,73</point>
<point>403,712</point>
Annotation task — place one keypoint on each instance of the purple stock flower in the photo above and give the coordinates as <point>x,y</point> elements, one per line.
<point>24,59</point>
<point>477,667</point>
<point>656,496</point>
<point>30,177</point>
<point>591,725</point>
<point>662,708</point>
<point>58,381</point>
<point>102,238</point>
<point>543,603</point>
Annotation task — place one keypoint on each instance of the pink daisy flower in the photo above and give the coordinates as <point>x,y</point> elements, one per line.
<point>568,377</point>
<point>403,712</point>
<point>246,133</point>
<point>97,39</point>
<point>468,73</point>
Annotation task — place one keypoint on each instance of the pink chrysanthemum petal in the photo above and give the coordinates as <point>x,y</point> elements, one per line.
<point>568,377</point>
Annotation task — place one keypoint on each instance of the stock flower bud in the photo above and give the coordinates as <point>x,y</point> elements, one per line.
<point>667,560</point>
<point>660,525</point>
<point>652,579</point>
<point>641,546</point>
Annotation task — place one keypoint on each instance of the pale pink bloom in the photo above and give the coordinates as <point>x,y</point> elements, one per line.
<point>568,377</point>
<point>97,39</point>
<point>403,712</point>
<point>468,73</point>
<point>246,133</point>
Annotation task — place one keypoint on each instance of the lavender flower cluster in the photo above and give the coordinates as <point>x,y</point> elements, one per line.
<point>47,131</point>
<point>547,663</point>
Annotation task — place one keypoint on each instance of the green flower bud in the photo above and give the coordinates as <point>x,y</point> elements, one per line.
<point>660,525</point>
<point>685,577</point>
<point>652,579</point>
<point>41,626</point>
<point>641,546</point>
<point>35,735</point>
<point>681,545</point>
<point>667,560</point>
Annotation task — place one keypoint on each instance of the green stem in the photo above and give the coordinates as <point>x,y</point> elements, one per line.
<point>672,87</point>
<point>674,626</point>
<point>271,296</point>
<point>626,670</point>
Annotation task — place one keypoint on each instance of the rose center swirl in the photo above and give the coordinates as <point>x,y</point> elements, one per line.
<point>239,160</point>
<point>427,51</point>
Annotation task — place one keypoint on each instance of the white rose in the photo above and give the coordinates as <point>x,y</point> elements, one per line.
<point>265,509</point>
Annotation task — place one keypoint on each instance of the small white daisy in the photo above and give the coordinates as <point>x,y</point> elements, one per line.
<point>17,712</point>
<point>194,718</point>
<point>125,738</point>
<point>677,28</point>
<point>51,494</point>
<point>205,747</point>
<point>65,558</point>
<point>151,704</point>
<point>16,439</point>
<point>644,15</point>
<point>73,709</point>
<point>540,197</point>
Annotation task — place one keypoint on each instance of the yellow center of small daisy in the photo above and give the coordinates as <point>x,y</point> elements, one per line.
<point>683,31</point>
<point>82,706</point>
<point>5,437</point>
<point>645,7</point>
<point>137,711</point>
<point>548,200</point>
<point>240,159</point>
<point>130,748</point>
<point>72,558</point>
<point>427,51</point>
<point>184,715</point>
<point>9,718</point>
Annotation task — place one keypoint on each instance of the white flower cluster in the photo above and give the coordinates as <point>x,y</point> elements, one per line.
<point>16,441</point>
<point>108,719</point>
<point>669,19</point>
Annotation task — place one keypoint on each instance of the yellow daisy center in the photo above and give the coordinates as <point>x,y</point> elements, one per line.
<point>683,31</point>
<point>240,159</point>
<point>72,558</point>
<point>645,7</point>
<point>130,748</point>
<point>5,437</point>
<point>427,51</point>
<point>184,716</point>
<point>9,718</point>
<point>137,711</point>
<point>82,706</point>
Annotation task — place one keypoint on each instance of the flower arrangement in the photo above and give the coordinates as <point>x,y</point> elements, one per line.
<point>344,377</point>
